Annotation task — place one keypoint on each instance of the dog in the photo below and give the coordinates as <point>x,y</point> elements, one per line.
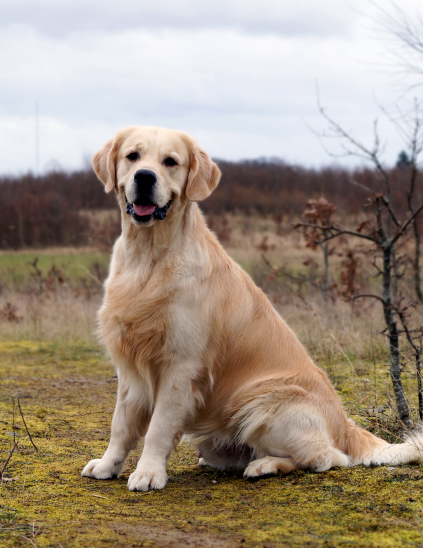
<point>198,348</point>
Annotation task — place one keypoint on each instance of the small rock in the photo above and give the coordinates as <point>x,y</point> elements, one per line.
<point>391,468</point>
<point>213,481</point>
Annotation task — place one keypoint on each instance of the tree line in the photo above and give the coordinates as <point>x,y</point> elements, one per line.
<point>57,208</point>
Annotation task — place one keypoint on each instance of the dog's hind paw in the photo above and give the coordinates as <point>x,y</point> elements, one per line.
<point>269,466</point>
<point>145,479</point>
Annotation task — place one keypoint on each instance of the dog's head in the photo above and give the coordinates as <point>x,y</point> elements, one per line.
<point>154,169</point>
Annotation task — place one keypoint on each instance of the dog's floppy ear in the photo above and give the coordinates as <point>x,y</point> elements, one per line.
<point>203,175</point>
<point>104,164</point>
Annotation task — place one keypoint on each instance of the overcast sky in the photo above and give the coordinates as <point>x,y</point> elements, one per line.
<point>239,75</point>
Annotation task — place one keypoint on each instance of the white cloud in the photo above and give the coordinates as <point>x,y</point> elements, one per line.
<point>264,16</point>
<point>241,92</point>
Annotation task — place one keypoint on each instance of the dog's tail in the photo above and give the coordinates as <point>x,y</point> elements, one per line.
<point>365,448</point>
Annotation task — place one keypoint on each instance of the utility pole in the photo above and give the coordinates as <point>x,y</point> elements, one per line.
<point>37,141</point>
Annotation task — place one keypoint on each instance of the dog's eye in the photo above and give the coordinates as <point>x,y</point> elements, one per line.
<point>133,156</point>
<point>170,162</point>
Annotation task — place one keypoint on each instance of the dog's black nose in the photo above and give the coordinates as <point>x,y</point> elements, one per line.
<point>145,177</point>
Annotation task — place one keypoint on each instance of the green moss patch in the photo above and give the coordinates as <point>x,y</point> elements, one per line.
<point>67,395</point>
<point>79,267</point>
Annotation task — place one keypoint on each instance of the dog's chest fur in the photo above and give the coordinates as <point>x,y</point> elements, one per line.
<point>133,323</point>
<point>144,322</point>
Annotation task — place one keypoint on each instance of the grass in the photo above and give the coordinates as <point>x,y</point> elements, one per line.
<point>67,395</point>
<point>54,298</point>
<point>17,269</point>
<point>50,360</point>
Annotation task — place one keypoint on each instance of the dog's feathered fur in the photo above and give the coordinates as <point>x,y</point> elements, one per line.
<point>198,347</point>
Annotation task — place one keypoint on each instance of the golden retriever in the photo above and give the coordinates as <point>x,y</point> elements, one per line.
<point>198,348</point>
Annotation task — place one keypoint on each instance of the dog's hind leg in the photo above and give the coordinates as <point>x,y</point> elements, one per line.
<point>288,435</point>
<point>223,456</point>
<point>326,458</point>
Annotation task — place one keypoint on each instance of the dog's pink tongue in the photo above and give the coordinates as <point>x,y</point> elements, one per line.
<point>142,211</point>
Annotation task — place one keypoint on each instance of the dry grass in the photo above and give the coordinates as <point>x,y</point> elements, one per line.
<point>50,359</point>
<point>64,315</point>
<point>52,309</point>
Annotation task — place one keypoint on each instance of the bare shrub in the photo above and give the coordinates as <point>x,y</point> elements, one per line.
<point>221,226</point>
<point>9,312</point>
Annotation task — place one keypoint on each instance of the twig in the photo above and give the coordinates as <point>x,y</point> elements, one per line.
<point>405,225</point>
<point>95,278</point>
<point>298,280</point>
<point>363,187</point>
<point>8,459</point>
<point>29,540</point>
<point>26,427</point>
<point>265,260</point>
<point>339,230</point>
<point>388,207</point>
<point>343,353</point>
<point>13,421</point>
<point>353,297</point>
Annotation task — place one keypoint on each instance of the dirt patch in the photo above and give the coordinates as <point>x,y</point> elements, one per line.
<point>167,538</point>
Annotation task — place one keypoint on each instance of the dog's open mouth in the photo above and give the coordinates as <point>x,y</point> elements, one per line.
<point>143,213</point>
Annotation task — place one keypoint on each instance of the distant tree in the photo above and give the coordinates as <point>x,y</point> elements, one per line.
<point>403,160</point>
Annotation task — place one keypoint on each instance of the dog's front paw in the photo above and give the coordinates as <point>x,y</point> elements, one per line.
<point>147,477</point>
<point>102,469</point>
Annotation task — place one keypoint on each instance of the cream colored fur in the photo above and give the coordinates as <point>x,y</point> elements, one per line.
<point>197,346</point>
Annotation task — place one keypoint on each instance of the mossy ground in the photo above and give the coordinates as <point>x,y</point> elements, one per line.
<point>67,395</point>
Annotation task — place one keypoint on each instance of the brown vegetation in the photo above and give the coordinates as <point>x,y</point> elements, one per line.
<point>72,208</point>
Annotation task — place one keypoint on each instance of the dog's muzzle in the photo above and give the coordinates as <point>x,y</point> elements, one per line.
<point>159,213</point>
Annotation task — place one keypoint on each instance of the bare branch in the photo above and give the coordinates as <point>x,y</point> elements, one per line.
<point>26,427</point>
<point>353,147</point>
<point>402,35</point>
<point>354,297</point>
<point>388,207</point>
<point>8,459</point>
<point>339,231</point>
<point>406,224</point>
<point>364,187</point>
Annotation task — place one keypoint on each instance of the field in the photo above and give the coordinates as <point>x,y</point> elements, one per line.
<point>52,364</point>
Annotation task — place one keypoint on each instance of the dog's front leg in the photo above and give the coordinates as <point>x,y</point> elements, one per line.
<point>129,422</point>
<point>173,404</point>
